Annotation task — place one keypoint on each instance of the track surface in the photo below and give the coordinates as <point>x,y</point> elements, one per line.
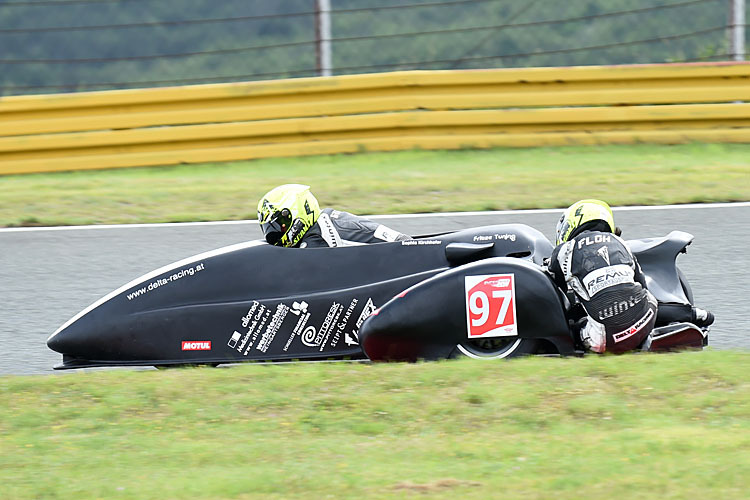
<point>48,275</point>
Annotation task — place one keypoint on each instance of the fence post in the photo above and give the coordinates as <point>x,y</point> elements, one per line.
<point>323,37</point>
<point>737,30</point>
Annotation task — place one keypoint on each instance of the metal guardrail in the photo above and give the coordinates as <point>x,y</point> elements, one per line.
<point>378,112</point>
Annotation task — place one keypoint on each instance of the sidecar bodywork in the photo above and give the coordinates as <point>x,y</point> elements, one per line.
<point>253,301</point>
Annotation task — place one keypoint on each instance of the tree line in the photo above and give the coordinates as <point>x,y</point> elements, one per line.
<point>66,46</point>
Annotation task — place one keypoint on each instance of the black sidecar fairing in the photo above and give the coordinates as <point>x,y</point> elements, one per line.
<point>510,302</point>
<point>664,279</point>
<point>467,310</point>
<point>252,301</point>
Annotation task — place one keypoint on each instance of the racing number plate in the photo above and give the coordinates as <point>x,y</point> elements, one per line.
<point>491,305</point>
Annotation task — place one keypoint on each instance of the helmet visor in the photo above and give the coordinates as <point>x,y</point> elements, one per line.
<point>276,226</point>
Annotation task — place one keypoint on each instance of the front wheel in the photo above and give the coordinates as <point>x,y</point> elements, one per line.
<point>495,348</point>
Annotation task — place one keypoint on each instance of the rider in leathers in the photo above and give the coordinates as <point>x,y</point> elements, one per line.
<point>592,261</point>
<point>289,216</point>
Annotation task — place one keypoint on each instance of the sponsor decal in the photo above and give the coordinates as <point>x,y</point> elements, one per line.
<point>342,325</point>
<point>300,309</point>
<point>297,226</point>
<point>352,338</point>
<point>232,342</point>
<point>196,345</point>
<point>368,310</point>
<point>491,305</point>
<point>603,252</point>
<point>617,308</point>
<point>498,283</point>
<point>620,336</point>
<point>309,335</point>
<point>592,240</point>
<point>337,325</point>
<point>273,327</point>
<point>491,237</point>
<point>189,271</point>
<point>248,317</point>
<point>565,258</point>
<point>599,279</point>
<point>319,338</point>
<point>254,331</point>
<point>328,232</point>
<point>328,325</point>
<point>413,243</point>
<point>253,322</point>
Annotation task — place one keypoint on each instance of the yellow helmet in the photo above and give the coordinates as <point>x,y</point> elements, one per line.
<point>286,212</point>
<point>582,215</point>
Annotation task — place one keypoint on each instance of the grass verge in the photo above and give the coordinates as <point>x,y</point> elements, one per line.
<point>636,426</point>
<point>385,183</point>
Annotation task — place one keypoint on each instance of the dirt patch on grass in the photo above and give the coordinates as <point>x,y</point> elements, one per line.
<point>433,486</point>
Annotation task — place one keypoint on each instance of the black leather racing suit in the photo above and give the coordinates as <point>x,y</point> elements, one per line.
<point>605,276</point>
<point>335,228</point>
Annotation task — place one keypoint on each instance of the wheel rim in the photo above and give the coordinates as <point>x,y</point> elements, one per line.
<point>490,348</point>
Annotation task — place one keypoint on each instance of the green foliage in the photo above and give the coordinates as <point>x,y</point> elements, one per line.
<point>634,426</point>
<point>545,44</point>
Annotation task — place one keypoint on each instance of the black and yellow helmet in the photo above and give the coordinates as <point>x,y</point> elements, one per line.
<point>286,212</point>
<point>583,215</point>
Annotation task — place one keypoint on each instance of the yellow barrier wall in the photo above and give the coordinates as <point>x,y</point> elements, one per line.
<point>378,112</point>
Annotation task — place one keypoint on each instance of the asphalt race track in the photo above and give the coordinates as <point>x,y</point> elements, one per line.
<point>49,274</point>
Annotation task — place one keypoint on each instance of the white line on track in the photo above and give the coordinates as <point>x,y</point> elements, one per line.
<point>397,216</point>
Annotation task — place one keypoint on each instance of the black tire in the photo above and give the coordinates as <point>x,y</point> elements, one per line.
<point>495,348</point>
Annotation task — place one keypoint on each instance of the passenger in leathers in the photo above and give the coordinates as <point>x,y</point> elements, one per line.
<point>290,216</point>
<point>595,264</point>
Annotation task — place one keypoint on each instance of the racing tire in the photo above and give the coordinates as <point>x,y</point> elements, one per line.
<point>495,348</point>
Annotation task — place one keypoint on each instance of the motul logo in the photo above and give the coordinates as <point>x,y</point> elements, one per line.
<point>201,345</point>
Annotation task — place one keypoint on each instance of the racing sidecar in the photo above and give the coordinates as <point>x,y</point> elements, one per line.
<point>480,292</point>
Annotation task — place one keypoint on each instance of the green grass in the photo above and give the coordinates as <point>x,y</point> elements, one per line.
<point>386,183</point>
<point>635,426</point>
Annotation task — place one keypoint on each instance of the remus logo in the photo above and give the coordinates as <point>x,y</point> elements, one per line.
<point>196,345</point>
